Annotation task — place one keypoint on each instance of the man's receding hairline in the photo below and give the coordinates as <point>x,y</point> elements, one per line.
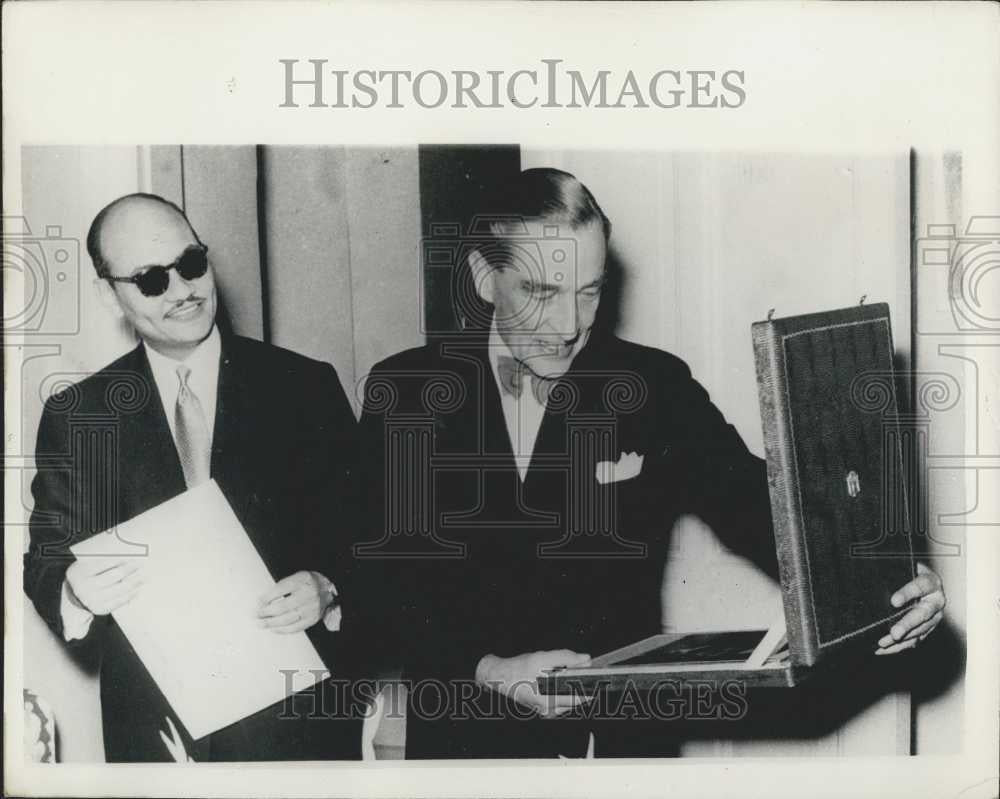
<point>125,204</point>
<point>119,207</point>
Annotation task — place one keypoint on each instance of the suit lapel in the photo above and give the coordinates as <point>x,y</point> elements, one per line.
<point>498,443</point>
<point>575,396</point>
<point>230,409</point>
<point>150,468</point>
<point>483,420</point>
<point>479,426</point>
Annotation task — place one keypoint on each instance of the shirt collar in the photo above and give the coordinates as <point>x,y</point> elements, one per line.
<point>203,360</point>
<point>497,347</point>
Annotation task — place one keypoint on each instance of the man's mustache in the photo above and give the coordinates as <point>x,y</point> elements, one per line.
<point>186,300</point>
<point>193,298</point>
<point>556,339</point>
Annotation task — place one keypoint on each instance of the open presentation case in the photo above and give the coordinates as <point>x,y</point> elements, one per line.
<point>839,504</point>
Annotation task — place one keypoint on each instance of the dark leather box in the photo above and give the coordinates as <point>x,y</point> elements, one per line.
<point>828,407</point>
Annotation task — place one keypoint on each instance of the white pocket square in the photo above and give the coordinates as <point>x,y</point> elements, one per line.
<point>629,465</point>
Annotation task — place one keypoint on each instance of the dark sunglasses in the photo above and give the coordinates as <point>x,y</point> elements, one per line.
<point>154,280</point>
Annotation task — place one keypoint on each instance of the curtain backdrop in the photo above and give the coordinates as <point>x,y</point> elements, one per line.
<point>316,248</point>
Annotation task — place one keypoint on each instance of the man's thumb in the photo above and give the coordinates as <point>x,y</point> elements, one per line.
<point>578,659</point>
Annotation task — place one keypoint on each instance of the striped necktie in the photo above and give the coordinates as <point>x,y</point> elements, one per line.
<point>194,444</point>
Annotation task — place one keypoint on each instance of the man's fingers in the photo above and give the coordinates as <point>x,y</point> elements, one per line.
<point>285,602</point>
<point>917,587</point>
<point>556,712</point>
<point>91,565</point>
<point>282,620</point>
<point>297,627</point>
<point>117,573</point>
<point>568,654</point>
<point>300,601</point>
<point>286,585</point>
<point>290,622</point>
<point>126,598</point>
<point>101,600</point>
<point>915,631</point>
<point>127,566</point>
<point>901,646</point>
<point>93,586</point>
<point>99,565</point>
<point>565,657</point>
<point>920,613</point>
<point>922,629</point>
<point>279,590</point>
<point>910,629</point>
<point>123,594</point>
<point>277,606</point>
<point>568,700</point>
<point>109,604</point>
<point>561,704</point>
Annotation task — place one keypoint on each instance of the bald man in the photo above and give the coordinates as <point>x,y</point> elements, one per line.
<point>191,403</point>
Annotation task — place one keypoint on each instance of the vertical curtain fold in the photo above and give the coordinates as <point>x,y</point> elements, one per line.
<point>316,249</point>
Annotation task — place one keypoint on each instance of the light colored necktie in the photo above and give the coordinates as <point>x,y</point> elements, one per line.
<point>194,444</point>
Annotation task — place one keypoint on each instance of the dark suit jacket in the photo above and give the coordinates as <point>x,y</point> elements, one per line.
<point>284,443</point>
<point>464,560</point>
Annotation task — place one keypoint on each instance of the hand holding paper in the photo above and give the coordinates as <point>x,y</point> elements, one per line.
<point>102,585</point>
<point>193,624</point>
<point>295,603</point>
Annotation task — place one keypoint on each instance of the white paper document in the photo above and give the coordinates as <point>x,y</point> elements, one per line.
<point>194,621</point>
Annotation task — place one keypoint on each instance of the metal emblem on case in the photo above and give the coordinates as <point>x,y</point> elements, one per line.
<point>853,483</point>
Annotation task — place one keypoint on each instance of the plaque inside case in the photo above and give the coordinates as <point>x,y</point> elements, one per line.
<point>756,657</point>
<point>840,510</point>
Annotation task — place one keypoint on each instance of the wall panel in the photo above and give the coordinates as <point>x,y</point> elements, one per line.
<point>220,200</point>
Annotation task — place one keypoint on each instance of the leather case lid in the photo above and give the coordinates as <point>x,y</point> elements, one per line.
<point>835,472</point>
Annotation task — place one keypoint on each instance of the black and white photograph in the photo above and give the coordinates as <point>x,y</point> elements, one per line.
<point>478,463</point>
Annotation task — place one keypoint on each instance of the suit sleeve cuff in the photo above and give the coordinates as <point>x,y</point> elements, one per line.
<point>76,621</point>
<point>333,615</point>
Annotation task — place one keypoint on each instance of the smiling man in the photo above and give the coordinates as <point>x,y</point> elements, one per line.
<point>522,481</point>
<point>190,403</point>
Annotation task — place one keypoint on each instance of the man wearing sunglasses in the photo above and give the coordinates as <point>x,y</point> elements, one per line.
<point>190,403</point>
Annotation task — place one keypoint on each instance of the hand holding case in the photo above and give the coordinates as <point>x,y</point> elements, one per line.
<point>839,502</point>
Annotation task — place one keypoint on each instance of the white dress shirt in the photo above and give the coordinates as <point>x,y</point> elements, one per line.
<point>523,415</point>
<point>203,381</point>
